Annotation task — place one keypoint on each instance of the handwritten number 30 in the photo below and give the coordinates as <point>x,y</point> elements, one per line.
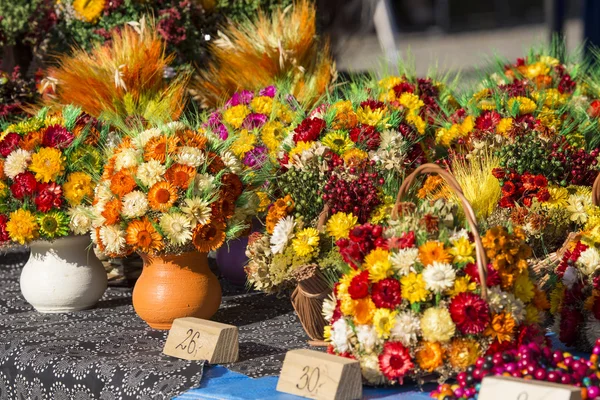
<point>309,383</point>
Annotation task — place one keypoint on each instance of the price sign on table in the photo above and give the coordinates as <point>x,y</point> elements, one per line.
<point>508,388</point>
<point>318,375</point>
<point>201,339</point>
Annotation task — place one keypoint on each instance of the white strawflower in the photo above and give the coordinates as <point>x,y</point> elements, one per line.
<point>135,204</point>
<point>329,305</point>
<point>16,163</point>
<point>391,139</point>
<point>144,137</point>
<point>460,234</point>
<point>204,183</point>
<point>150,172</point>
<point>198,211</point>
<point>340,335</point>
<point>80,219</point>
<point>113,238</point>
<point>190,156</point>
<point>97,209</point>
<point>175,126</point>
<point>369,365</point>
<point>282,234</point>
<point>592,330</point>
<point>589,261</point>
<point>439,277</point>
<point>102,193</point>
<point>367,337</point>
<point>404,260</point>
<point>177,227</point>
<point>231,162</point>
<point>127,158</point>
<point>406,328</point>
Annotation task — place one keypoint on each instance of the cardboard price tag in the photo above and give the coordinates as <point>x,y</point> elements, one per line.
<point>508,388</point>
<point>200,339</point>
<point>318,375</point>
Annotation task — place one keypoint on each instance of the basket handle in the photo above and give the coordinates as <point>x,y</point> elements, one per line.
<point>323,218</point>
<point>596,192</point>
<point>469,214</point>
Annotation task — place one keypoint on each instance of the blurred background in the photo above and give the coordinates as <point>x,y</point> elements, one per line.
<point>458,35</point>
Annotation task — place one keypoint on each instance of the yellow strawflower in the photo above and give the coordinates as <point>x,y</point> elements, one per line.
<point>244,143</point>
<point>262,105</point>
<point>384,320</point>
<point>413,288</point>
<point>526,105</point>
<point>462,251</point>
<point>77,187</point>
<point>47,164</point>
<point>306,242</point>
<point>340,224</point>
<point>235,115</point>
<point>377,262</point>
<point>22,226</point>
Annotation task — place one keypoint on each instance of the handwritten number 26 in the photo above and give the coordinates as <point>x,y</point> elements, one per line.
<point>191,336</point>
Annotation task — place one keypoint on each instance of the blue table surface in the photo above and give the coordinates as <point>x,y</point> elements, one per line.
<point>220,383</point>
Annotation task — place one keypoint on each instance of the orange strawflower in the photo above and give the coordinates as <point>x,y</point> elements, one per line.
<point>430,356</point>
<point>122,183</point>
<point>223,208</point>
<point>31,140</point>
<point>112,211</point>
<point>463,352</point>
<point>193,139</point>
<point>501,328</point>
<point>363,310</point>
<point>158,147</point>
<point>280,209</point>
<point>433,251</point>
<point>216,164</point>
<point>142,236</point>
<point>162,196</point>
<point>180,175</point>
<point>208,237</point>
<point>231,186</point>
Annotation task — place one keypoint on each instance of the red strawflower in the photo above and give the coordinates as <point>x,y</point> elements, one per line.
<point>309,130</point>
<point>386,293</point>
<point>570,324</point>
<point>405,241</point>
<point>497,347</point>
<point>427,88</point>
<point>470,313</point>
<point>359,286</point>
<point>49,196</point>
<point>529,181</point>
<point>506,202</point>
<point>487,121</point>
<point>9,143</point>
<point>372,104</point>
<point>57,136</point>
<point>499,173</point>
<point>543,195</point>
<point>23,185</point>
<point>4,236</point>
<point>527,201</point>
<point>508,188</point>
<point>531,334</point>
<point>350,252</point>
<point>540,181</point>
<point>493,277</point>
<point>594,109</point>
<point>566,84</point>
<point>366,135</point>
<point>404,87</point>
<point>395,361</point>
<point>458,116</point>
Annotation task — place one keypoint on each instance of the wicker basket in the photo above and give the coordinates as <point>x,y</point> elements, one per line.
<point>312,289</point>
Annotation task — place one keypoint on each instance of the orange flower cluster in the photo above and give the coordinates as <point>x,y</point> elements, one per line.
<point>280,209</point>
<point>509,252</point>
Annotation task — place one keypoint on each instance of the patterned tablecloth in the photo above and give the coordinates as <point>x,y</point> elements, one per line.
<point>109,353</point>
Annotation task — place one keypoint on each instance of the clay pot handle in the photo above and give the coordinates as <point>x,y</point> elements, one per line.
<point>469,213</point>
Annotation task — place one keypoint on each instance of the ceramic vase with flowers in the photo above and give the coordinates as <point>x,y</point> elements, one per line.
<point>170,194</point>
<point>48,165</point>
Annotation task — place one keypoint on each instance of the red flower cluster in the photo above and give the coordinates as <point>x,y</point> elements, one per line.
<point>9,143</point>
<point>359,286</point>
<point>57,136</point>
<point>387,293</point>
<point>309,130</point>
<point>395,361</point>
<point>4,236</point>
<point>360,242</point>
<point>493,277</point>
<point>366,136</point>
<point>49,196</point>
<point>521,189</point>
<point>569,258</point>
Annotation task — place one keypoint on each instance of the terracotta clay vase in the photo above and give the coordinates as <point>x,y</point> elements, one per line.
<point>176,286</point>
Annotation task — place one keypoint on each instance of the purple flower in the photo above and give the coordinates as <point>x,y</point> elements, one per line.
<point>269,91</point>
<point>256,157</point>
<point>220,130</point>
<point>243,97</point>
<point>293,103</point>
<point>254,121</point>
<point>214,119</point>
